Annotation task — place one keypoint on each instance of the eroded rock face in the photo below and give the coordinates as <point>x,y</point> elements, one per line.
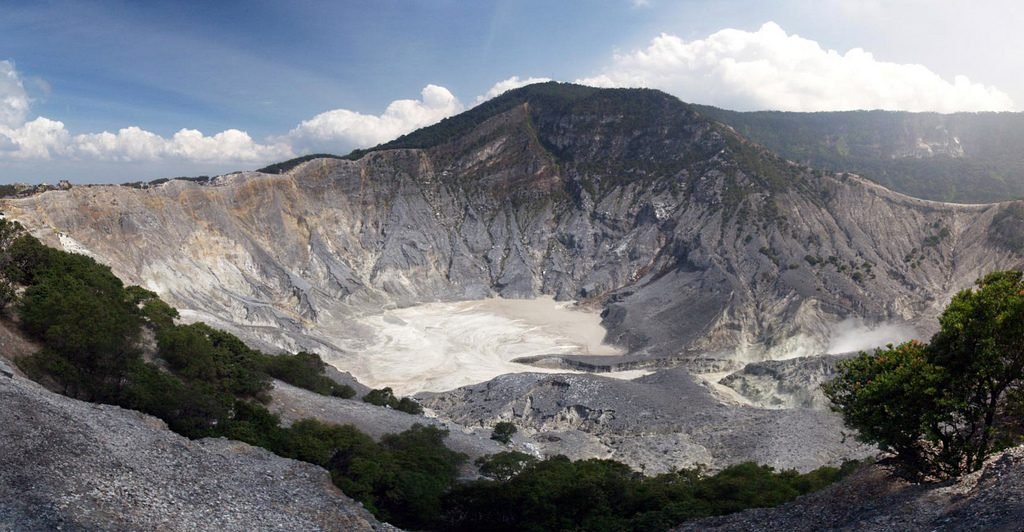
<point>70,465</point>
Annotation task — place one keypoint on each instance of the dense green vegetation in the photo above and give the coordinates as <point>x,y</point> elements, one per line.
<point>401,479</point>
<point>205,382</point>
<point>977,156</point>
<point>305,370</point>
<point>941,408</point>
<point>386,397</point>
<point>503,431</point>
<point>596,495</point>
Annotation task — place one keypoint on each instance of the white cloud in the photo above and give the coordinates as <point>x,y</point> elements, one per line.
<point>770,69</point>
<point>41,138</point>
<point>129,144</point>
<point>14,101</point>
<point>340,130</point>
<point>45,139</point>
<point>136,144</point>
<point>505,85</point>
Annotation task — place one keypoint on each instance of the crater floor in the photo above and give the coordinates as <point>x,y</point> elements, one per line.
<point>442,346</point>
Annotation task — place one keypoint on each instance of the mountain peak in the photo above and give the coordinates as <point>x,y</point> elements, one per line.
<point>542,98</point>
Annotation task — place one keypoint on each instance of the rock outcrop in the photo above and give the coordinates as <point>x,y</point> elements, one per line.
<point>69,465</point>
<point>792,383</point>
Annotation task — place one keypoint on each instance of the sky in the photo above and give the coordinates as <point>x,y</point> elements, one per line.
<point>115,91</point>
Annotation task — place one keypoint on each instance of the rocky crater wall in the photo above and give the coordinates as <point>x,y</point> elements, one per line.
<point>693,242</point>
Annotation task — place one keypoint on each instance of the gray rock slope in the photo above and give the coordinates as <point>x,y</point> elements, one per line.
<point>69,465</point>
<point>692,239</point>
<point>991,499</point>
<point>655,424</point>
<point>790,383</point>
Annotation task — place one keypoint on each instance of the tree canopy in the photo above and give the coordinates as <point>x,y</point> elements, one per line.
<point>941,408</point>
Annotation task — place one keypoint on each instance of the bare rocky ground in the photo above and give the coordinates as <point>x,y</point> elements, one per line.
<point>991,499</point>
<point>70,465</point>
<point>792,383</point>
<point>655,423</point>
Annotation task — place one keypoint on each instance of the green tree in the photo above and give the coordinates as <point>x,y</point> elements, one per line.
<point>305,370</point>
<point>403,478</point>
<point>158,313</point>
<point>503,431</point>
<point>890,397</point>
<point>386,397</point>
<point>27,258</point>
<point>203,355</point>
<point>381,397</point>
<point>504,465</point>
<point>77,308</point>
<point>941,408</point>
<point>981,346</point>
<point>409,406</point>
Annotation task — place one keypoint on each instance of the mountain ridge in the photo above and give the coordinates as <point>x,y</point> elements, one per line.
<point>958,157</point>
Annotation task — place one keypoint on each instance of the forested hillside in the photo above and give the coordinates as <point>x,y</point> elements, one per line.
<point>961,157</point>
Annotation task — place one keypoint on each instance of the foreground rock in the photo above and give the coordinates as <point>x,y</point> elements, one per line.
<point>69,465</point>
<point>871,500</point>
<point>655,424</point>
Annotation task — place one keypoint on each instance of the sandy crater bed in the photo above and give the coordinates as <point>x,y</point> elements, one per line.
<point>442,346</point>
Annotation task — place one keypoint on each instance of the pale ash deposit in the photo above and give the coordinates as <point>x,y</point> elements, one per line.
<point>442,346</point>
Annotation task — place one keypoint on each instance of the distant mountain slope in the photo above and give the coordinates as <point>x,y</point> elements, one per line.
<point>961,157</point>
